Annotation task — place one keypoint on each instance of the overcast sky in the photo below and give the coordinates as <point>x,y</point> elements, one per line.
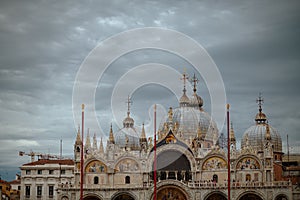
<point>255,45</point>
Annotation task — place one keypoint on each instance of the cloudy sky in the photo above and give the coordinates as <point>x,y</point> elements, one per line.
<point>254,44</point>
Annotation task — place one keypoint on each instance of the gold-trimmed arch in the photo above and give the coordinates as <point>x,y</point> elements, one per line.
<point>248,162</point>
<point>250,195</point>
<point>124,195</point>
<point>127,164</point>
<point>215,195</point>
<point>92,196</point>
<point>214,162</point>
<point>95,166</point>
<point>172,147</point>
<point>171,186</point>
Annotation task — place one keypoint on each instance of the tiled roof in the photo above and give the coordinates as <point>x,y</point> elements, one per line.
<point>45,161</point>
<point>3,181</point>
<point>15,182</point>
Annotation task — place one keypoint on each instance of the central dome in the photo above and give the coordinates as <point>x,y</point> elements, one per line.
<point>189,118</point>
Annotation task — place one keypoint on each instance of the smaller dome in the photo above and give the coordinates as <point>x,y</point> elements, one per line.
<point>256,137</point>
<point>196,101</point>
<point>127,137</point>
<point>184,100</point>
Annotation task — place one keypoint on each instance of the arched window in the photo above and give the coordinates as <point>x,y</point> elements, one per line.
<point>96,180</point>
<point>78,149</point>
<point>127,180</point>
<point>215,178</point>
<point>248,177</point>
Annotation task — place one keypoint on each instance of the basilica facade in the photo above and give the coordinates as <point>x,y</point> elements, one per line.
<point>190,162</point>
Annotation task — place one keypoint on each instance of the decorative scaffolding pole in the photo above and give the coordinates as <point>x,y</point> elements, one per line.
<point>288,152</point>
<point>81,155</point>
<point>154,175</point>
<point>228,154</point>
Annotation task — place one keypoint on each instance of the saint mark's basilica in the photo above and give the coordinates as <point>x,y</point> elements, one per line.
<point>191,163</point>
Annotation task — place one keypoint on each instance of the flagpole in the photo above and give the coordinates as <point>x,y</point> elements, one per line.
<point>81,155</point>
<point>228,154</point>
<point>154,153</point>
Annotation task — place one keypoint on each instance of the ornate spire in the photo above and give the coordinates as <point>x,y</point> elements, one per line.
<point>260,116</point>
<point>78,137</point>
<point>143,134</point>
<point>111,135</point>
<point>95,142</point>
<point>88,142</point>
<point>231,136</point>
<point>101,148</point>
<point>184,100</point>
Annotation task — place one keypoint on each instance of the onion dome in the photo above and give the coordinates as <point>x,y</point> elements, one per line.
<point>256,137</point>
<point>257,134</point>
<point>196,101</point>
<point>128,136</point>
<point>189,118</point>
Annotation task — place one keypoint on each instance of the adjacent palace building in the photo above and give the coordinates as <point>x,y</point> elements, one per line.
<point>191,163</point>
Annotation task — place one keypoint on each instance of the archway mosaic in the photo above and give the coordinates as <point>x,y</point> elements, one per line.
<point>96,166</point>
<point>127,165</point>
<point>247,163</point>
<point>214,163</point>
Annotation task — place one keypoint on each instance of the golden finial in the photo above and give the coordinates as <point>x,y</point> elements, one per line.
<point>260,101</point>
<point>184,78</point>
<point>82,107</point>
<point>195,80</point>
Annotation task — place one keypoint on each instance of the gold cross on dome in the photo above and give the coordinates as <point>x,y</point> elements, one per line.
<point>129,102</point>
<point>185,77</point>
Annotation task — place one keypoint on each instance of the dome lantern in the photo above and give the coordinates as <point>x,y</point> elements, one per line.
<point>260,117</point>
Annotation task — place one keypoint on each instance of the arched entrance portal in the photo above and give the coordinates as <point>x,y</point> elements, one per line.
<point>168,193</point>
<point>216,196</point>
<point>251,196</point>
<point>123,196</point>
<point>281,197</point>
<point>174,165</point>
<point>91,197</point>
